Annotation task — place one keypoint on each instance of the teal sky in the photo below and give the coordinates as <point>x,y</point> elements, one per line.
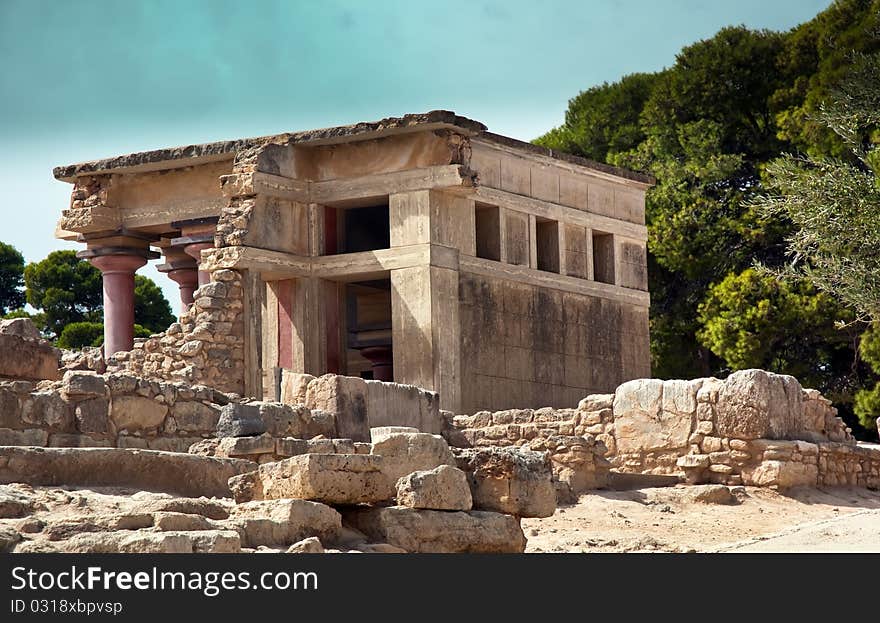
<point>86,79</point>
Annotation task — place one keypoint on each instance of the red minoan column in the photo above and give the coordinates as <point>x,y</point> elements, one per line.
<point>194,250</point>
<point>118,271</point>
<point>187,280</point>
<point>380,358</point>
<point>181,269</point>
<point>196,236</point>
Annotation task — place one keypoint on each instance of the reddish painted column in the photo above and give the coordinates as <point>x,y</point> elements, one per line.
<point>380,358</point>
<point>194,250</point>
<point>118,277</point>
<point>187,280</point>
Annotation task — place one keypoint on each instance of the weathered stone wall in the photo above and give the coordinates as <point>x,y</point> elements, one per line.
<point>24,354</point>
<point>577,457</point>
<point>85,409</point>
<point>359,405</point>
<point>205,347</point>
<point>754,428</point>
<point>528,346</point>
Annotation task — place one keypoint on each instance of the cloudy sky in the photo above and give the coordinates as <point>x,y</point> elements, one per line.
<point>84,79</point>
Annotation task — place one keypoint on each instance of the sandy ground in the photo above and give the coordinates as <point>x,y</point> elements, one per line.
<point>667,519</point>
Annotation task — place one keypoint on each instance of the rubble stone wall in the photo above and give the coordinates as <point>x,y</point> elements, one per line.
<point>754,428</point>
<point>205,347</point>
<point>577,457</point>
<point>85,409</point>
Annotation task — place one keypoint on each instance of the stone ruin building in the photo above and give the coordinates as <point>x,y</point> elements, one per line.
<point>402,336</point>
<point>423,250</point>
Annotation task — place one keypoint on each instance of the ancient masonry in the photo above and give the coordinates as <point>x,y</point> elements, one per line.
<point>422,250</point>
<point>506,277</point>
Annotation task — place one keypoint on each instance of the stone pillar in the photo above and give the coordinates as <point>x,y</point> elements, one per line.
<point>183,270</point>
<point>382,361</point>
<point>118,254</point>
<point>194,250</point>
<point>117,271</point>
<point>196,236</point>
<point>187,280</point>
<point>426,331</point>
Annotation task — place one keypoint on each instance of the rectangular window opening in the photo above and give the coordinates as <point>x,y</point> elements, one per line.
<point>488,232</point>
<point>603,257</point>
<point>547,240</point>
<point>353,230</point>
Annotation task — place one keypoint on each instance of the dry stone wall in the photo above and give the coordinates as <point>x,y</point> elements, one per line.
<point>754,428</point>
<point>205,347</point>
<point>577,456</point>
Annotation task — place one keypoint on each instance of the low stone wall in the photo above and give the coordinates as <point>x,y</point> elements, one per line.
<point>359,405</point>
<point>24,354</point>
<point>85,409</point>
<point>846,465</point>
<point>205,347</point>
<point>577,456</point>
<point>754,428</point>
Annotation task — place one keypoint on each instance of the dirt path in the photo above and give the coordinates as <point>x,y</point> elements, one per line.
<point>854,532</point>
<point>669,519</point>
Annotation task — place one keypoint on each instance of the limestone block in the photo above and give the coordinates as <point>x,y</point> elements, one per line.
<point>444,488</point>
<point>641,422</point>
<point>136,413</point>
<point>311,545</point>
<point>22,327</point>
<point>28,437</point>
<point>294,387</point>
<point>596,402</point>
<point>509,480</point>
<point>298,421</point>
<point>781,474</point>
<point>290,446</point>
<point>47,410</point>
<point>65,440</point>
<point>404,453</point>
<point>245,447</point>
<point>344,397</point>
<point>240,420</point>
<point>195,417</point>
<point>379,433</point>
<point>693,461</point>
<point>22,358</point>
<point>93,416</point>
<point>281,522</point>
<point>150,470</point>
<point>756,404</point>
<point>429,531</point>
<point>10,408</point>
<point>83,383</point>
<point>330,478</point>
<point>396,404</point>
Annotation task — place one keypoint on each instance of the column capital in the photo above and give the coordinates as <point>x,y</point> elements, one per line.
<point>117,259</point>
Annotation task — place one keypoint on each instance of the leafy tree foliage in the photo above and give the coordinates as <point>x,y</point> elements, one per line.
<point>708,128</point>
<point>66,288</point>
<point>79,334</point>
<point>834,203</point>
<point>11,278</point>
<point>69,291</point>
<point>151,309</point>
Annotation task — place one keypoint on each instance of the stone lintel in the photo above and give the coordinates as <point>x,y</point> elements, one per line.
<point>192,239</point>
<point>104,251</point>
